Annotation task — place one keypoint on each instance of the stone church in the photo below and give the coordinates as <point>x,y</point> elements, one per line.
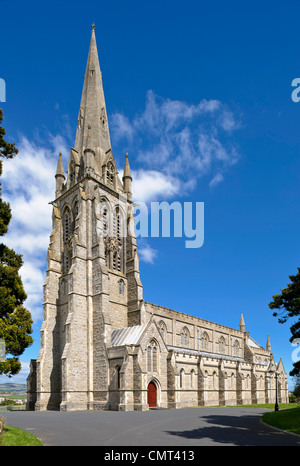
<point>102,346</point>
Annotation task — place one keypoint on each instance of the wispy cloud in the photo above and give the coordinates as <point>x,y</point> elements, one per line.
<point>181,142</point>
<point>147,254</point>
<point>28,185</point>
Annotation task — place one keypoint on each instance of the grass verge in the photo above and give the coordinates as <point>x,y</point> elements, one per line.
<point>270,406</point>
<point>15,437</point>
<point>287,419</point>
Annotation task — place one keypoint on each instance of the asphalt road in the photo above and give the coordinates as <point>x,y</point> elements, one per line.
<point>180,428</point>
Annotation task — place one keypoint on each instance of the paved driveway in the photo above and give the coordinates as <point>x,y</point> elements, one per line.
<point>184,427</point>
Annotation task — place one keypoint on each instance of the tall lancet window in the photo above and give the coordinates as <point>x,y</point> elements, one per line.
<point>67,237</point>
<point>118,254</point>
<point>105,225</point>
<point>152,357</point>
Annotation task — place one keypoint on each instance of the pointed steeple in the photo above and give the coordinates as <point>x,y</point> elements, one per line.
<point>92,130</point>
<point>242,323</point>
<point>127,179</point>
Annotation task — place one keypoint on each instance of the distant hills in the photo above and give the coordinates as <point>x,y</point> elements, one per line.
<point>12,387</point>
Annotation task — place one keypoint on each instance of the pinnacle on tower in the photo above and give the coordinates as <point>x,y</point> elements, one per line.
<point>127,178</point>
<point>242,323</point>
<point>60,175</point>
<point>268,345</point>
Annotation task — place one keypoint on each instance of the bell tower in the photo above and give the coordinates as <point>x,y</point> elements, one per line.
<point>92,284</point>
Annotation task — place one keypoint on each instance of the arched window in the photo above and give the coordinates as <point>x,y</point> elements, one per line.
<point>248,381</point>
<point>67,224</point>
<point>221,345</point>
<point>121,286</point>
<point>236,348</point>
<point>152,357</point>
<point>118,377</point>
<point>185,337</point>
<point>214,380</point>
<point>192,378</point>
<point>181,378</point>
<point>232,381</point>
<point>67,232</point>
<point>104,228</point>
<point>105,221</point>
<point>149,358</point>
<point>118,238</point>
<point>204,341</point>
<point>110,174</point>
<point>162,329</point>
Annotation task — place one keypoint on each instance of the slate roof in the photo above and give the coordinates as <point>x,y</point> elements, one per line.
<point>127,335</point>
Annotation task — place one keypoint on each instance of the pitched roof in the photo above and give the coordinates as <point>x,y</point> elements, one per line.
<point>127,335</point>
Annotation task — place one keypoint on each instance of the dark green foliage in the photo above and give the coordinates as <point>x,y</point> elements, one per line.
<point>15,319</point>
<point>288,305</point>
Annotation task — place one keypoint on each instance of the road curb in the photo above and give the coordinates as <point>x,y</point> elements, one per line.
<point>279,430</point>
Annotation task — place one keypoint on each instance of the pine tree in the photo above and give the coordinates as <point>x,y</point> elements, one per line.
<point>15,319</point>
<point>288,305</point>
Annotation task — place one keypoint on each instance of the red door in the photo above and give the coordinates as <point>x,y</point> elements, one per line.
<point>152,395</point>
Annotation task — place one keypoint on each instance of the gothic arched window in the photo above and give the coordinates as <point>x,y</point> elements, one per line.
<point>121,286</point>
<point>181,378</point>
<point>67,224</point>
<point>221,345</point>
<point>152,357</point>
<point>192,378</point>
<point>119,243</point>
<point>67,236</point>
<point>236,348</point>
<point>185,337</point>
<point>162,329</point>
<point>204,341</point>
<point>214,380</point>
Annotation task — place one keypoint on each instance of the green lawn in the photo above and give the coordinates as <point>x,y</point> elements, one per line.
<point>19,438</point>
<point>286,419</point>
<point>270,406</point>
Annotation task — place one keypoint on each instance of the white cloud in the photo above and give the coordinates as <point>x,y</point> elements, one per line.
<point>216,180</point>
<point>147,254</point>
<point>179,140</point>
<point>28,184</point>
<point>150,185</point>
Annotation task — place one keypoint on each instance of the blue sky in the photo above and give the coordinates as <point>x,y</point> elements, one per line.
<point>199,95</point>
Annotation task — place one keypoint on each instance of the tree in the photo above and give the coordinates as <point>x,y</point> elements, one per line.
<point>296,391</point>
<point>15,319</point>
<point>288,304</point>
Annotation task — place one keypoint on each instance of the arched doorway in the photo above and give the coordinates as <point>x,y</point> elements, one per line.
<point>152,395</point>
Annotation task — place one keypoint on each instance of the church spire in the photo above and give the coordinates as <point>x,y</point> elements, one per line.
<point>92,130</point>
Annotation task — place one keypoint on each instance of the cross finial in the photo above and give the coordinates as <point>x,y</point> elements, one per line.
<point>93,27</point>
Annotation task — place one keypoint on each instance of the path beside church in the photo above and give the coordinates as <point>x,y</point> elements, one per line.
<point>183,427</point>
